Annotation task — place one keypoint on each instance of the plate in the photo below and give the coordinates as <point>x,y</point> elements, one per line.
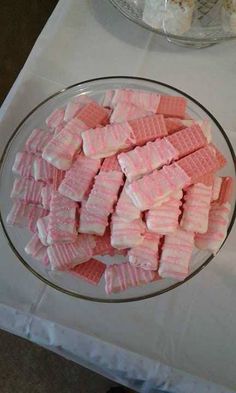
<point>17,238</point>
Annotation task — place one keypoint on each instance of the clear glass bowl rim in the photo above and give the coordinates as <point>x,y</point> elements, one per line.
<point>137,298</point>
<point>208,40</point>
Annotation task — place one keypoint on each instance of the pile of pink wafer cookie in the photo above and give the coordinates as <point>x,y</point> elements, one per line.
<point>131,175</point>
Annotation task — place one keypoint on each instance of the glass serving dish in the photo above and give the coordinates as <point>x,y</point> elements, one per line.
<point>203,23</point>
<point>18,237</point>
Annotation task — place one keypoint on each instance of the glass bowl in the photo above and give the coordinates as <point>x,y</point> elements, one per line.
<point>207,22</point>
<point>17,238</point>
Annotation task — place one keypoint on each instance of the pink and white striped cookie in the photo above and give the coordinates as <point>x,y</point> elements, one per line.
<point>43,170</point>
<point>64,256</point>
<point>100,203</point>
<point>145,159</point>
<point>218,220</point>
<point>106,141</point>
<point>23,164</point>
<point>143,99</point>
<point>55,118</point>
<point>126,234</point>
<point>37,250</point>
<point>217,183</point>
<point>124,111</point>
<point>27,190</point>
<point>173,177</point>
<point>125,207</point>
<point>79,177</point>
<point>62,219</point>
<point>46,194</point>
<point>176,254</point>
<point>164,219</point>
<point>146,254</point>
<point>163,183</point>
<point>61,149</point>
<point>120,277</point>
<point>196,208</point>
<point>42,228</point>
<point>37,140</point>
<point>23,214</point>
<point>74,106</point>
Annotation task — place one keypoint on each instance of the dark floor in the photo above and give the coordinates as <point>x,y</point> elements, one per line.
<point>20,24</point>
<point>25,367</point>
<point>28,368</point>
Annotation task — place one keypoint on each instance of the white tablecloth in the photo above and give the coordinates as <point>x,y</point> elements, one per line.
<point>169,343</point>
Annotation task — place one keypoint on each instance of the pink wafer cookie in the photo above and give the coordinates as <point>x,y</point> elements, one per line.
<point>92,222</point>
<point>42,170</point>
<point>207,180</point>
<point>64,256</point>
<point>37,140</point>
<point>226,190</point>
<point>110,164</point>
<point>23,164</point>
<point>100,203</point>
<point>59,128</point>
<point>147,129</point>
<point>108,98</point>
<point>74,106</point>
<point>125,207</point>
<point>27,190</point>
<point>58,176</point>
<point>123,276</point>
<point>79,177</point>
<point>93,114</point>
<point>62,219</point>
<point>55,118</point>
<point>25,215</point>
<point>126,234</point>
<point>164,219</point>
<point>217,228</point>
<point>188,140</point>
<point>46,193</point>
<point>42,228</point>
<point>174,125</point>
<point>37,250</point>
<point>217,182</point>
<point>164,182</point>
<point>146,254</point>
<point>200,163</point>
<point>103,244</point>
<point>221,160</point>
<point>171,106</point>
<point>144,99</point>
<point>153,155</point>
<point>176,254</point>
<point>196,208</point>
<point>218,220</point>
<point>91,271</point>
<point>61,149</point>
<point>145,159</point>
<point>106,141</point>
<point>124,111</point>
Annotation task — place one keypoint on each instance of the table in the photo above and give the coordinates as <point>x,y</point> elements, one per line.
<point>175,342</point>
